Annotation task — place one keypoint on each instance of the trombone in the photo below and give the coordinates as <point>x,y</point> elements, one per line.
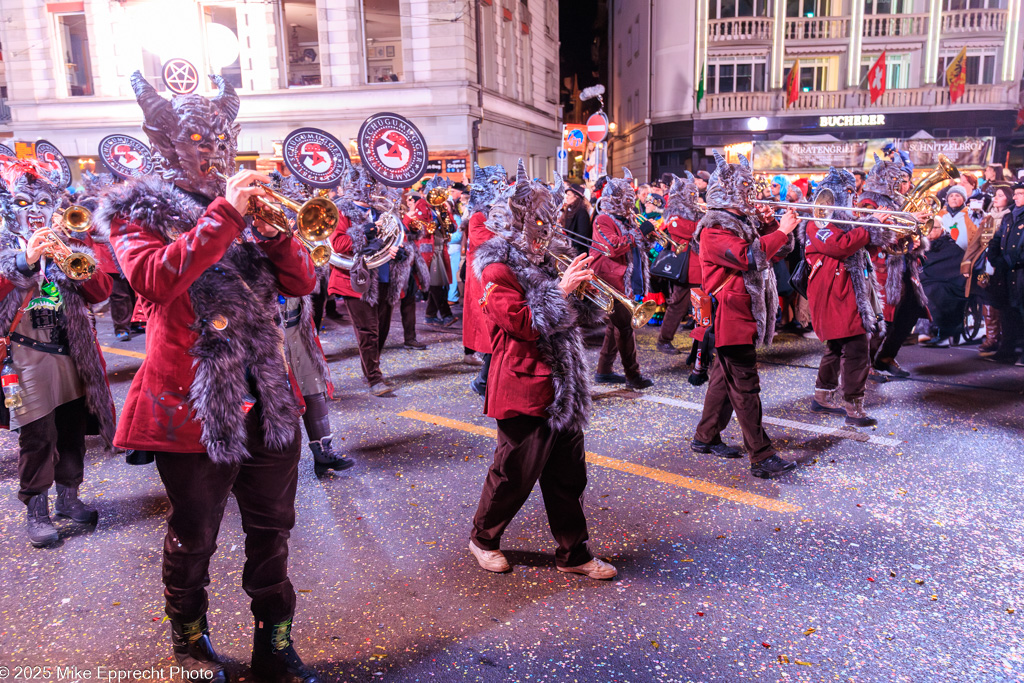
<point>315,219</point>
<point>76,265</point>
<point>822,210</point>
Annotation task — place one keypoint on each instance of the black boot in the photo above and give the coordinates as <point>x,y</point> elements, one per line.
<point>193,650</point>
<point>68,505</point>
<point>773,467</point>
<point>274,658</point>
<point>40,528</point>
<point>324,457</point>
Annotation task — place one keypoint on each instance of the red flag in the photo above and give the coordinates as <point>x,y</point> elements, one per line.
<point>1020,119</point>
<point>956,76</point>
<point>876,78</point>
<point>793,84</point>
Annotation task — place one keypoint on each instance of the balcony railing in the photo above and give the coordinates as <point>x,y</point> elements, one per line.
<point>740,28</point>
<point>851,101</point>
<point>974,20</point>
<point>5,111</point>
<point>895,25</point>
<point>817,28</point>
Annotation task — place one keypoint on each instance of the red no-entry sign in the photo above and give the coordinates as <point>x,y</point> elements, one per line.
<point>597,127</point>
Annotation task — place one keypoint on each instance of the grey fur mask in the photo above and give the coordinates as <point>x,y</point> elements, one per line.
<point>682,197</point>
<point>618,197</point>
<point>527,218</point>
<point>885,177</point>
<point>731,186</point>
<point>357,185</point>
<point>488,183</point>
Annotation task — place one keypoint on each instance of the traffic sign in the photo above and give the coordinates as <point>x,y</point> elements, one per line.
<point>562,162</point>
<point>574,137</point>
<point>597,127</point>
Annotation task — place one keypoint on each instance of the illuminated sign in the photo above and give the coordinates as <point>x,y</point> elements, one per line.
<point>852,120</point>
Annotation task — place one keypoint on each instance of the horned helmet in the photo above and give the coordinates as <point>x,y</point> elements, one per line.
<point>528,215</point>
<point>618,197</point>
<point>192,134</point>
<point>731,186</point>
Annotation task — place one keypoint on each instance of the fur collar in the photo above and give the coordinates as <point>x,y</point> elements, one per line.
<point>557,320</point>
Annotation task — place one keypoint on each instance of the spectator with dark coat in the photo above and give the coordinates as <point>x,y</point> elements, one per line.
<point>941,278</point>
<point>1006,254</point>
<point>576,215</point>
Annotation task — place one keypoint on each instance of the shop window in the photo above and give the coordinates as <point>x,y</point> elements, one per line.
<point>809,8</point>
<point>382,26</point>
<point>301,42</point>
<point>888,7</point>
<point>735,76</point>
<point>897,70</point>
<point>222,48</point>
<point>981,68</point>
<point>954,5</point>
<point>728,9</point>
<point>73,43</point>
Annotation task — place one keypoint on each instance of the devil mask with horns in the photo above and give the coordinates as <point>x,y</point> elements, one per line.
<point>193,134</point>
<point>528,218</point>
<point>29,194</point>
<point>731,186</point>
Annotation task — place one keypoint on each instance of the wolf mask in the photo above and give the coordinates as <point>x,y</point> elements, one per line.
<point>618,197</point>
<point>528,217</point>
<point>731,186</point>
<point>29,194</point>
<point>885,178</point>
<point>488,183</point>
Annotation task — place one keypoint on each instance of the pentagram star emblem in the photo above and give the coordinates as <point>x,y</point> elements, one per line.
<point>180,76</point>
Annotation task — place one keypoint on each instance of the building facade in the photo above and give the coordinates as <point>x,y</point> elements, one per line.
<point>744,50</point>
<point>479,79</point>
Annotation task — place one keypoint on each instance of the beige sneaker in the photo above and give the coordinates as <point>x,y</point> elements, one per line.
<point>595,569</point>
<point>491,560</point>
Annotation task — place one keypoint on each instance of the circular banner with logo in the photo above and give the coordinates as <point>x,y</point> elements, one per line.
<point>180,76</point>
<point>392,149</point>
<point>315,157</point>
<point>7,151</point>
<point>50,157</point>
<point>126,157</point>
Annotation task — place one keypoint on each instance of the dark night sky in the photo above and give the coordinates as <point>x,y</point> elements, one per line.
<point>583,34</point>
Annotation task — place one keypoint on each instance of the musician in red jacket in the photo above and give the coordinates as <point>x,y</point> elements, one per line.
<point>620,261</point>
<point>680,220</point>
<point>842,293</point>
<point>539,388</point>
<point>736,252</point>
<point>435,212</point>
<point>370,294</point>
<point>487,185</point>
<point>213,398</point>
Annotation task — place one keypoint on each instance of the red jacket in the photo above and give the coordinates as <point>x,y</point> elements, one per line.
<point>340,282</point>
<point>162,273</point>
<point>881,264</point>
<point>425,244</point>
<point>830,294</point>
<point>519,382</point>
<point>681,231</point>
<point>612,267</point>
<point>475,328</point>
<point>722,254</point>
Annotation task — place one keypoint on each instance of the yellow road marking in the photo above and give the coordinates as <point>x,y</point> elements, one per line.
<point>707,487</point>
<point>121,352</point>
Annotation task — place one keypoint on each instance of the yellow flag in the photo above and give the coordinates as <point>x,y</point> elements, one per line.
<point>956,76</point>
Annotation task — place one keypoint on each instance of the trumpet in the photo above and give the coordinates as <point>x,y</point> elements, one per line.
<point>315,220</point>
<point>604,296</point>
<point>75,264</point>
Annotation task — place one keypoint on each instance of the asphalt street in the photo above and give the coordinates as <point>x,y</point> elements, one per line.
<point>892,554</point>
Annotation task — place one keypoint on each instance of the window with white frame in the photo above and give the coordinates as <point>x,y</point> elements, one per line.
<point>382,29</point>
<point>888,7</point>
<point>816,74</point>
<point>736,74</point>
<point>897,69</point>
<point>727,9</point>
<point>980,67</point>
<point>636,36</point>
<point>526,49</point>
<point>810,8</point>
<point>75,64</point>
<point>489,54</point>
<point>511,60</point>
<point>223,50</point>
<point>301,54</point>
<point>954,5</point>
